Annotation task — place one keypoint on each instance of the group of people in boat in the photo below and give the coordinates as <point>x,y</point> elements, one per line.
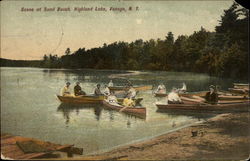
<point>66,91</point>
<point>173,97</point>
<point>111,98</point>
<point>162,89</point>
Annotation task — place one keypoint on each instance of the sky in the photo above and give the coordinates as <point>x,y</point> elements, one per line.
<point>28,35</point>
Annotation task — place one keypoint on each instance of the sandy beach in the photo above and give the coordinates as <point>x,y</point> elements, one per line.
<point>226,136</point>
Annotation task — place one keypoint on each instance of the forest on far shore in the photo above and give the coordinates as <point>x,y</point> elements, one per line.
<point>222,53</point>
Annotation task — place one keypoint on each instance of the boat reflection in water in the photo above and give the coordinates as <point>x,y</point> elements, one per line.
<point>97,110</point>
<point>66,109</point>
<point>200,115</point>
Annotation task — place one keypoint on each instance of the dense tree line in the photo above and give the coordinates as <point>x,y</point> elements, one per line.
<point>221,53</point>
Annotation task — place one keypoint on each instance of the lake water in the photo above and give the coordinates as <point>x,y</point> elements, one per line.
<point>29,106</point>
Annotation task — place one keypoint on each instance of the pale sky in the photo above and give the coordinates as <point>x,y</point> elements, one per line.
<point>30,35</point>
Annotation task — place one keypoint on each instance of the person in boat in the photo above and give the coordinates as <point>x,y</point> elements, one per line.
<point>161,88</point>
<point>66,90</point>
<point>112,98</point>
<point>78,90</point>
<point>131,92</point>
<point>97,90</point>
<point>106,91</point>
<point>128,102</point>
<point>173,97</point>
<point>211,96</point>
<point>183,89</point>
<point>110,84</point>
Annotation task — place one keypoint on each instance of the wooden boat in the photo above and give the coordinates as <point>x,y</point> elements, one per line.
<point>239,91</point>
<point>123,88</point>
<point>232,107</point>
<point>201,93</point>
<point>231,97</point>
<point>198,99</point>
<point>198,104</point>
<point>89,99</point>
<point>81,99</point>
<point>160,94</point>
<point>135,111</point>
<point>241,85</point>
<point>222,95</point>
<point>23,148</point>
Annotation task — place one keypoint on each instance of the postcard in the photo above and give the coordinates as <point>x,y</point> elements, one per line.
<point>124,80</point>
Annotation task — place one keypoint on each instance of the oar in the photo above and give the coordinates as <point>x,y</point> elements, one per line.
<point>199,98</point>
<point>194,100</point>
<point>123,109</point>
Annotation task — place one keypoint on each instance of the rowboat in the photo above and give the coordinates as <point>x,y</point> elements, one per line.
<point>138,88</point>
<point>90,99</point>
<point>222,95</point>
<point>198,99</point>
<point>198,104</point>
<point>241,85</point>
<point>87,99</point>
<point>135,111</point>
<point>242,91</point>
<point>160,94</point>
<point>206,107</point>
<point>201,93</point>
<point>231,97</point>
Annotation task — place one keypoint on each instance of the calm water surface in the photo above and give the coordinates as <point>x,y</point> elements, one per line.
<point>29,107</point>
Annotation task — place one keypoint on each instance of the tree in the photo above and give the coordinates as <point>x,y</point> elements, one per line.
<point>67,52</point>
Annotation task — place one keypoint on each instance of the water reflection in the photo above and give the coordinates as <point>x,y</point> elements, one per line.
<point>67,109</point>
<point>97,111</point>
<point>194,114</point>
<point>95,127</point>
<point>111,115</point>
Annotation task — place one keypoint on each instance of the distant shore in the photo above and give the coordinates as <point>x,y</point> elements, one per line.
<point>225,136</point>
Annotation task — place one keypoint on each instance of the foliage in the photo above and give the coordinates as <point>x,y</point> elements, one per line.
<point>221,53</point>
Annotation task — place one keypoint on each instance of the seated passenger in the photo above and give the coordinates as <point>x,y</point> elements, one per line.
<point>112,98</point>
<point>183,89</point>
<point>110,84</point>
<point>211,96</point>
<point>131,92</point>
<point>128,102</point>
<point>97,90</point>
<point>106,91</point>
<point>78,90</point>
<point>161,88</point>
<point>173,97</point>
<point>66,90</point>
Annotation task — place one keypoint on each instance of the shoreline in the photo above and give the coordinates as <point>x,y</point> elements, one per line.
<point>143,140</point>
<point>224,136</point>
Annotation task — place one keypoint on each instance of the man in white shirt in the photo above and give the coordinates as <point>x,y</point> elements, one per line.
<point>173,97</point>
<point>106,91</point>
<point>110,84</point>
<point>131,92</point>
<point>66,90</point>
<point>183,89</point>
<point>97,90</point>
<point>161,88</point>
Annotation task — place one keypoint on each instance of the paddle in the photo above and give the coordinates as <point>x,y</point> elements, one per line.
<point>195,100</point>
<point>123,109</point>
<point>199,98</point>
